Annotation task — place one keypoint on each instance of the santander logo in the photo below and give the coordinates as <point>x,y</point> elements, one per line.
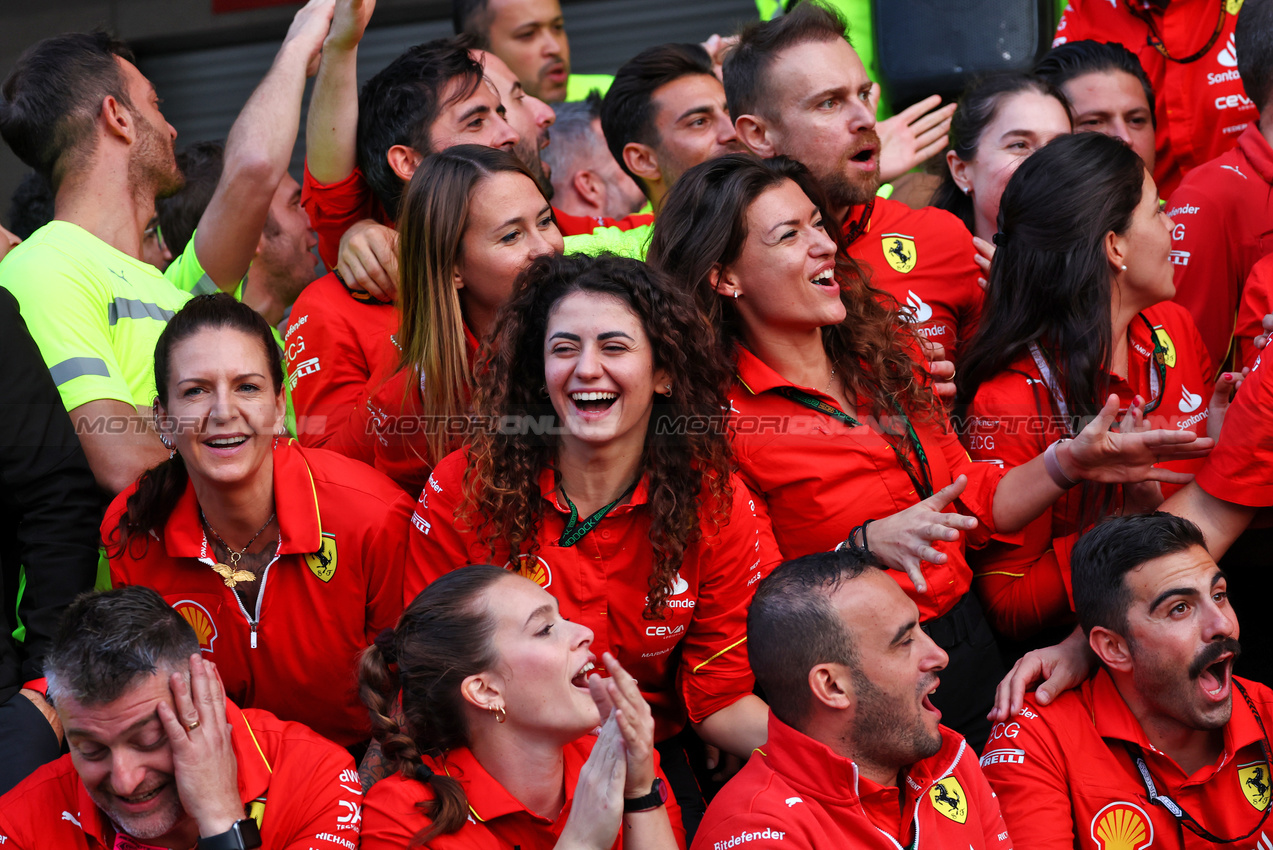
<point>680,585</point>
<point>1228,57</point>
<point>1189,402</point>
<point>918,311</point>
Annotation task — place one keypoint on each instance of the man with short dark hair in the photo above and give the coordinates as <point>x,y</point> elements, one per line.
<point>587,180</point>
<point>856,755</point>
<point>797,88</point>
<point>529,35</point>
<point>664,114</point>
<point>160,758</point>
<point>1153,748</point>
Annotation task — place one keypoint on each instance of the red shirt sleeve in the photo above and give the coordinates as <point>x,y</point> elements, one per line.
<point>384,558</point>
<point>334,207</point>
<point>1257,302</point>
<point>1032,781</point>
<point>435,545</point>
<point>714,668</point>
<point>325,801</point>
<point>1206,264</point>
<point>1237,470</point>
<point>1024,582</point>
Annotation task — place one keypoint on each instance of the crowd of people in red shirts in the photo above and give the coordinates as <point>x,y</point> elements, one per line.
<point>718,468</point>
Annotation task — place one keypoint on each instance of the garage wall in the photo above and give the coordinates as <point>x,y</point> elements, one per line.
<point>205,66</point>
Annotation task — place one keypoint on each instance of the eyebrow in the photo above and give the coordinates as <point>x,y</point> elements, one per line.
<point>545,611</point>
<point>903,632</point>
<point>838,91</point>
<point>613,335</point>
<point>474,110</point>
<point>1185,592</point>
<point>704,109</point>
<point>145,721</point>
<point>236,377</point>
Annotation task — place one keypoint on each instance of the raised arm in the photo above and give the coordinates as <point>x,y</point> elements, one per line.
<point>331,130</point>
<point>258,150</point>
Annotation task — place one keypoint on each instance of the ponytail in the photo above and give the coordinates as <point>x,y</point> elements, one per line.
<point>442,638</point>
<point>148,507</point>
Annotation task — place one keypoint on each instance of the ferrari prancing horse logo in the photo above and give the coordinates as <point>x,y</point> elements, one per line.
<point>949,798</point>
<point>1254,779</point>
<point>899,251</point>
<point>323,562</point>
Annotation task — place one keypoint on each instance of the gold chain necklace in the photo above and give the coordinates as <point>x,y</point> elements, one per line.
<point>231,573</point>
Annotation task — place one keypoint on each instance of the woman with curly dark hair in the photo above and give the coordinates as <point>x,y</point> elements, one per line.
<point>605,477</point>
<point>836,430</point>
<point>498,710</point>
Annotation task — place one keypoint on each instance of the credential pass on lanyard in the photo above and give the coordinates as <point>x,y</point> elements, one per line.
<point>575,530</point>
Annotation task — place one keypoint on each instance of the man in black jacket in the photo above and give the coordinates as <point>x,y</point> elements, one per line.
<point>49,513</point>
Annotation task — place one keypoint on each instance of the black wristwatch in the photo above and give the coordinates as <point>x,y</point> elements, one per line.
<point>242,836</point>
<point>649,802</point>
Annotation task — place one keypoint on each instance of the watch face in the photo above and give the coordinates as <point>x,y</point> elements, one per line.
<point>249,835</point>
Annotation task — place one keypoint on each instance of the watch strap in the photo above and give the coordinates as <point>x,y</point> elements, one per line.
<point>243,835</point>
<point>647,802</point>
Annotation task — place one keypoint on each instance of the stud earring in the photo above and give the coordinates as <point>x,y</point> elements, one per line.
<point>1124,267</point>
<point>736,294</point>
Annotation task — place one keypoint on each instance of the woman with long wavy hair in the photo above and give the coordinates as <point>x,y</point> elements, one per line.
<point>497,712</point>
<point>604,475</point>
<point>472,218</point>
<point>1078,306</point>
<point>835,428</point>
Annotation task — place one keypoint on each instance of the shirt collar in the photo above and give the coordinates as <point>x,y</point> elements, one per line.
<point>756,377</point>
<point>295,501</point>
<point>1255,148</point>
<point>1113,718</point>
<point>548,489</point>
<point>487,798</point>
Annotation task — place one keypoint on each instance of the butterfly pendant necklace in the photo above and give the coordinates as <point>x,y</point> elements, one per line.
<point>231,573</point>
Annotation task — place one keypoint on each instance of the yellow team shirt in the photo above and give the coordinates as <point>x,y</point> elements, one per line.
<point>95,312</point>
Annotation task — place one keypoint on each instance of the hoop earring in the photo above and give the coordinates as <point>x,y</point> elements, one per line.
<point>172,451</point>
<point>501,715</point>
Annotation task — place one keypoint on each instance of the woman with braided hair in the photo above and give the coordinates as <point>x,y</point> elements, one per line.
<point>495,746</point>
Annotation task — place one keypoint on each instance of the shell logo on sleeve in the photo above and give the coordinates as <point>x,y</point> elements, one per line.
<point>200,620</point>
<point>1122,826</point>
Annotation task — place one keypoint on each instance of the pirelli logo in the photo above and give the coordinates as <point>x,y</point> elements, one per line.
<point>1003,757</point>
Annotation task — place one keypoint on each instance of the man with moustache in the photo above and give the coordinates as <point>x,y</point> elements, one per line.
<point>856,755</point>
<point>796,87</point>
<point>159,758</point>
<point>1162,745</point>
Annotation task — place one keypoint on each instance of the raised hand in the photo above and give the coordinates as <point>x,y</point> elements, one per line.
<point>913,135</point>
<point>308,31</point>
<point>349,23</point>
<point>597,810</point>
<point>904,540</point>
<point>619,698</point>
<point>940,369</point>
<point>1113,457</point>
<point>202,755</point>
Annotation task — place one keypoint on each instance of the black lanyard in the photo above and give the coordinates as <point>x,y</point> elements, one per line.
<point>1155,38</point>
<point>575,530</point>
<point>922,479</point>
<point>1182,817</point>
<point>857,228</point>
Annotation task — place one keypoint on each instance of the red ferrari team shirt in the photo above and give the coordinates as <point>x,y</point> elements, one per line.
<point>816,478</point>
<point>334,583</point>
<point>691,661</point>
<point>334,344</point>
<point>1257,302</point>
<point>335,207</point>
<point>926,260</point>
<point>1223,216</point>
<point>1025,586</point>
<point>1066,779</point>
<point>1201,106</point>
<point>497,819</point>
<point>795,792</point>
<point>1237,470</point>
<point>303,791</point>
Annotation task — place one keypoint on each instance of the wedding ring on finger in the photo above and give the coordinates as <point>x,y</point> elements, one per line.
<point>190,727</point>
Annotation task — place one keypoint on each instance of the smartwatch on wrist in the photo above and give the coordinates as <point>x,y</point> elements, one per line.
<point>647,802</point>
<point>242,836</point>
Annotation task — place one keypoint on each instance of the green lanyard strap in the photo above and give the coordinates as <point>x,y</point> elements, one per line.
<point>575,530</point>
<point>922,479</point>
